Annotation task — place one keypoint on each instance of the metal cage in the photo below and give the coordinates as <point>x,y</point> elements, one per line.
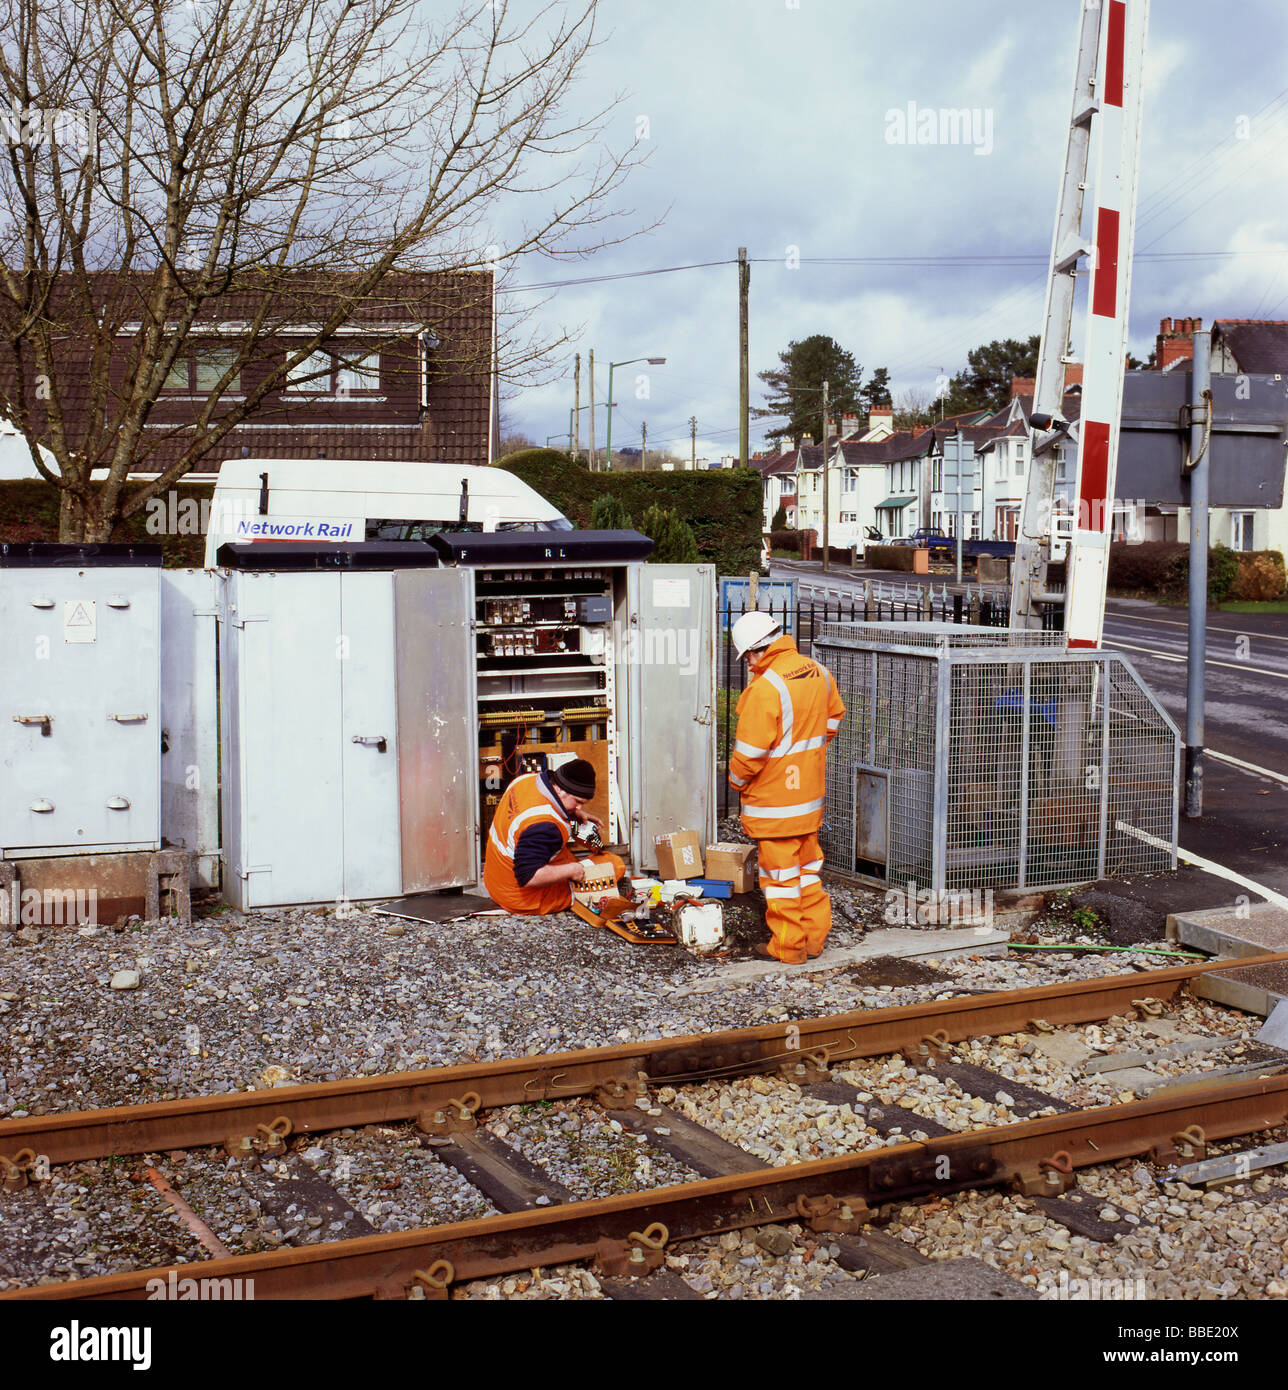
<point>976,757</point>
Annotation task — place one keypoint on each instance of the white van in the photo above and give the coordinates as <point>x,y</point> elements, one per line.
<point>352,500</point>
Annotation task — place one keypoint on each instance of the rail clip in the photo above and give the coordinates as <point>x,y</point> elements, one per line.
<point>640,1253</point>
<point>454,1116</point>
<point>845,1216</point>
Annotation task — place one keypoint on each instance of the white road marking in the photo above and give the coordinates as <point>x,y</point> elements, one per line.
<point>1209,661</point>
<point>1207,865</point>
<point>1171,622</point>
<point>1246,767</point>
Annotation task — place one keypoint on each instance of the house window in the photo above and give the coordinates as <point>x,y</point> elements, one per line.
<point>937,475</point>
<point>999,473</point>
<point>358,375</point>
<point>313,374</point>
<point>329,374</point>
<point>199,370</point>
<point>1062,466</point>
<point>851,482</point>
<point>1019,460</point>
<point>1241,530</point>
<point>849,516</point>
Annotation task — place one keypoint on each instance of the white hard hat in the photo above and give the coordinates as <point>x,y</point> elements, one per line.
<point>754,630</point>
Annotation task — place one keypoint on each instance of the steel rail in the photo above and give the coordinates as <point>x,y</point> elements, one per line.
<point>388,1266</point>
<point>396,1096</point>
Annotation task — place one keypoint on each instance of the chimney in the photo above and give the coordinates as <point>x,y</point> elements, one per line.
<point>849,426</point>
<point>881,416</point>
<point>1175,342</point>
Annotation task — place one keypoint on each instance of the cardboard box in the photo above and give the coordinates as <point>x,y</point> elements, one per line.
<point>736,863</point>
<point>679,854</point>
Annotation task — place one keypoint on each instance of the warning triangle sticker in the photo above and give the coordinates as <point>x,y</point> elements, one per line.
<point>78,617</point>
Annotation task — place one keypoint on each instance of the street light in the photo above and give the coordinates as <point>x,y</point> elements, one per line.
<point>653,362</point>
<point>566,435</point>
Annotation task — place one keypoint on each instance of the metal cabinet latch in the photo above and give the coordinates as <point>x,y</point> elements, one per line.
<point>379,741</point>
<point>42,719</point>
<point>129,718</point>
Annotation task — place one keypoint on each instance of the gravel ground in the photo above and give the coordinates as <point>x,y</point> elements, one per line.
<point>1178,1242</point>
<point>247,1001</point>
<point>271,999</point>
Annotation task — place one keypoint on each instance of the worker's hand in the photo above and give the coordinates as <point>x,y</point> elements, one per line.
<point>588,819</point>
<point>577,871</point>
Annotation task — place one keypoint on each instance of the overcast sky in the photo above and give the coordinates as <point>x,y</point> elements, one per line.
<point>768,125</point>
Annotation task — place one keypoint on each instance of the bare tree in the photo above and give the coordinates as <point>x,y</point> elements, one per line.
<point>914,407</point>
<point>200,175</point>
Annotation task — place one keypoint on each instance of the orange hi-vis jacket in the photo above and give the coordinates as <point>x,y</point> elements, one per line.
<point>525,803</point>
<point>787,716</point>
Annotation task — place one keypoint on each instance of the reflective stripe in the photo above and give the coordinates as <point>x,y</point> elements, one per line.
<point>813,866</point>
<point>804,745</point>
<point>792,892</point>
<point>514,831</point>
<point>789,872</point>
<point>834,724</point>
<point>737,781</point>
<point>496,840</point>
<point>748,750</point>
<point>767,812</point>
<point>785,701</point>
<point>807,879</point>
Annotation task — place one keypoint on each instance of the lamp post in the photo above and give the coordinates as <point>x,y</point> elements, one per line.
<point>566,435</point>
<point>653,362</point>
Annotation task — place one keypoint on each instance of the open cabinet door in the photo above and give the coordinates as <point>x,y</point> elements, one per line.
<point>668,658</point>
<point>437,728</point>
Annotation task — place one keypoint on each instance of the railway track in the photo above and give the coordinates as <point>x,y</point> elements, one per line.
<point>460,1118</point>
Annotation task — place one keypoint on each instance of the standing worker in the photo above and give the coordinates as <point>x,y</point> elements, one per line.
<point>529,868</point>
<point>787,715</point>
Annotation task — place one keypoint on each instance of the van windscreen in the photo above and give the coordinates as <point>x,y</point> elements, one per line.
<point>390,529</point>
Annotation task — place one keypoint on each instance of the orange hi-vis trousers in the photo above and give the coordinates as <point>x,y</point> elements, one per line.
<point>798,912</point>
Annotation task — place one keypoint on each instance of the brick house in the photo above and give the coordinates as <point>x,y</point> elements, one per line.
<point>408,376</point>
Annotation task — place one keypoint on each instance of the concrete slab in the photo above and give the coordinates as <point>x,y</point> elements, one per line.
<point>1251,930</point>
<point>1256,989</point>
<point>1275,1030</point>
<point>965,1278</point>
<point>937,944</point>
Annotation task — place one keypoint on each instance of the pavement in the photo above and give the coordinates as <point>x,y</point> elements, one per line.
<point>1245,785</point>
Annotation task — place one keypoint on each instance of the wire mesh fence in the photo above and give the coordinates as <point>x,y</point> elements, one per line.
<point>960,766</point>
<point>986,607</point>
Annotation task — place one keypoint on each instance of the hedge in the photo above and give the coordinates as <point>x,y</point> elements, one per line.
<point>785,540</point>
<point>1163,568</point>
<point>29,512</point>
<point>723,506</point>
<point>889,557</point>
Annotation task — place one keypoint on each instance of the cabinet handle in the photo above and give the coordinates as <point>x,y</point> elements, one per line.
<point>378,741</point>
<point>129,718</point>
<point>43,720</point>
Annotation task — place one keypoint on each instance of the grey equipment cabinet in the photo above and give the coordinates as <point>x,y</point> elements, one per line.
<point>667,663</point>
<point>80,742</point>
<point>348,712</point>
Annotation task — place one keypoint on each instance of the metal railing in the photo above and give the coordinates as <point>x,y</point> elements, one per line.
<point>911,603</point>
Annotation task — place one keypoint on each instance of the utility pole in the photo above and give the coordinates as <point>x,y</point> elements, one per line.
<point>744,288</point>
<point>576,405</point>
<point>1200,435</point>
<point>592,410</point>
<point>826,509</point>
<point>643,445</point>
<point>693,443</point>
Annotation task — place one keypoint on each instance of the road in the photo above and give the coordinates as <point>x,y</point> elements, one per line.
<point>1245,800</point>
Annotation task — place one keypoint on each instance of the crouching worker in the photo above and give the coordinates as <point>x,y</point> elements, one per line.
<point>528,867</point>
